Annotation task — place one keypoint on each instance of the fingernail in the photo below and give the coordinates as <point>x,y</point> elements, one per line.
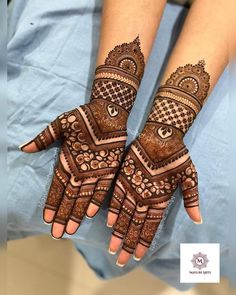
<point>111,252</point>
<point>55,238</point>
<point>88,217</point>
<point>119,264</point>
<point>109,225</point>
<point>137,258</point>
<point>24,144</point>
<point>47,223</point>
<point>198,222</point>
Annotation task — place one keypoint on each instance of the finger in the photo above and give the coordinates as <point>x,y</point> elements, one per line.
<point>132,237</point>
<point>153,219</point>
<point>58,185</point>
<point>62,216</point>
<point>114,245</point>
<point>51,133</point>
<point>65,208</point>
<point>122,224</point>
<point>81,205</point>
<point>99,195</point>
<point>189,185</point>
<point>115,204</point>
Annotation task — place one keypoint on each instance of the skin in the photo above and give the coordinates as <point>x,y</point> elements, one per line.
<point>132,19</point>
<point>206,35</point>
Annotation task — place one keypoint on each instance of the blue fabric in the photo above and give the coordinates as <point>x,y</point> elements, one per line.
<point>52,51</point>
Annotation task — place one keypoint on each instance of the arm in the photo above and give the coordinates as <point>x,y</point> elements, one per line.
<point>158,160</point>
<point>94,135</point>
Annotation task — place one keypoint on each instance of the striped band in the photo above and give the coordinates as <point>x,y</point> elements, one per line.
<point>180,99</point>
<point>108,75</point>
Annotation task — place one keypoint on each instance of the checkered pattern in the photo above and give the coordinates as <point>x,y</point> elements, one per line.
<point>115,92</point>
<point>172,113</point>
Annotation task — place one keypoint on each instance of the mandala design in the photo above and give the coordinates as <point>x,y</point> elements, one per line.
<point>129,57</point>
<point>199,260</point>
<point>192,79</point>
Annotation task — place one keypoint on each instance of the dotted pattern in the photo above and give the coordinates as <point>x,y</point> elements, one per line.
<point>115,92</point>
<point>171,113</point>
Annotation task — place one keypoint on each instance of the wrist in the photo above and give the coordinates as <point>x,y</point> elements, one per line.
<point>161,142</point>
<point>108,116</point>
<point>178,102</point>
<point>115,85</point>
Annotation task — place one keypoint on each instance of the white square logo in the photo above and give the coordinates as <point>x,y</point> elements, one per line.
<point>199,263</point>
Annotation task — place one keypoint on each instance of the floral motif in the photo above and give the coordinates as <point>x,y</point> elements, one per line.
<point>144,186</point>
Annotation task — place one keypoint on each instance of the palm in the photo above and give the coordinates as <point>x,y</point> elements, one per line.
<point>149,175</point>
<point>87,165</point>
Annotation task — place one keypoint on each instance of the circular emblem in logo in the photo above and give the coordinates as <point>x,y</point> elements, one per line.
<point>199,260</point>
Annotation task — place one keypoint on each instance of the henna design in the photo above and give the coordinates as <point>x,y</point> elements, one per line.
<point>158,160</point>
<point>128,57</point>
<point>178,101</point>
<point>118,79</point>
<point>93,136</point>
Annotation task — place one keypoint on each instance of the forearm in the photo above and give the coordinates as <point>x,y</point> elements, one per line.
<point>203,37</point>
<point>127,34</point>
<point>123,21</point>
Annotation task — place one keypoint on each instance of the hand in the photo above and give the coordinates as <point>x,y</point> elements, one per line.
<point>156,164</point>
<point>93,139</point>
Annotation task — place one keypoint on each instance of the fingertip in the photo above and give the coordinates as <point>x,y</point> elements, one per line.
<point>195,214</point>
<point>29,147</point>
<point>115,243</point>
<point>119,264</point>
<point>140,251</point>
<point>111,218</point>
<point>109,225</point>
<point>57,230</point>
<point>72,227</point>
<point>123,258</point>
<point>198,222</point>
<point>137,258</point>
<point>48,215</point>
<point>111,252</point>
<point>92,210</point>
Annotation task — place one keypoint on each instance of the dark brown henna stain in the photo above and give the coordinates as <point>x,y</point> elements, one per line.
<point>57,188</point>
<point>47,136</point>
<point>94,135</point>
<point>128,57</point>
<point>118,79</point>
<point>158,160</point>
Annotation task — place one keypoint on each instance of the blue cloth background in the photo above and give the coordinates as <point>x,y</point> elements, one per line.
<point>51,60</point>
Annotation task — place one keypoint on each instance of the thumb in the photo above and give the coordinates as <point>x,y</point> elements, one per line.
<point>189,185</point>
<point>51,133</point>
